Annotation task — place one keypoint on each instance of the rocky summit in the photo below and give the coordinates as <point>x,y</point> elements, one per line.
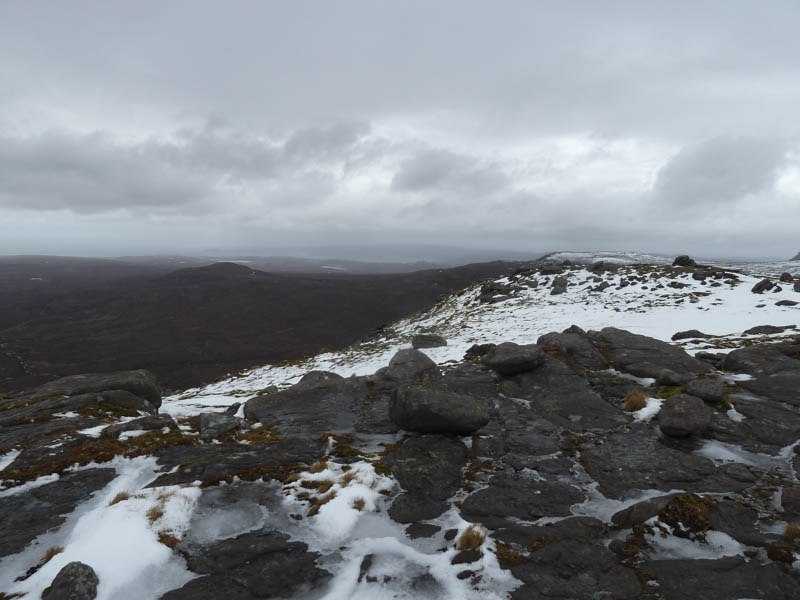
<point>511,442</point>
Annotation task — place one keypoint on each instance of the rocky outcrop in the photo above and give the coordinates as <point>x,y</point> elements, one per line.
<point>683,261</point>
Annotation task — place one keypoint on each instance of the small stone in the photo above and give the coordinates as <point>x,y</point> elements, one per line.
<point>684,415</point>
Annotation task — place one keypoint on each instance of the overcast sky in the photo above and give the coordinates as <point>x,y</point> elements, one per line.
<point>145,127</point>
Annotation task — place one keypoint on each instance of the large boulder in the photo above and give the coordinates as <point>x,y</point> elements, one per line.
<point>644,356</point>
<point>787,277</point>
<point>425,409</point>
<point>510,359</point>
<point>559,286</point>
<point>691,334</point>
<point>410,365</point>
<point>684,415</point>
<point>75,581</point>
<point>763,286</point>
<point>573,345</point>
<point>683,261</point>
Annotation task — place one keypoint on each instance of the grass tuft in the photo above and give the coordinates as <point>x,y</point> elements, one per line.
<point>155,513</point>
<point>635,400</point>
<point>792,532</point>
<point>472,538</point>
<point>358,504</point>
<point>119,498</point>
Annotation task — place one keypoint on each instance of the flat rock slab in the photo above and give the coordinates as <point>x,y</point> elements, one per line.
<point>26,515</point>
<point>627,462</point>
<point>520,497</point>
<point>730,577</point>
<point>644,356</point>
<point>557,394</point>
<point>262,564</point>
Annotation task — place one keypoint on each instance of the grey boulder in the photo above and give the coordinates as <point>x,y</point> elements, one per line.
<point>684,415</point>
<point>425,409</point>
<point>75,581</point>
<point>510,359</point>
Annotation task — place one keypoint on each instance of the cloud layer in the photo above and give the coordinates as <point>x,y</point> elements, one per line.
<point>614,125</point>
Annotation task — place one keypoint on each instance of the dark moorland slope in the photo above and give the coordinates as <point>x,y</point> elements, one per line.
<point>194,325</point>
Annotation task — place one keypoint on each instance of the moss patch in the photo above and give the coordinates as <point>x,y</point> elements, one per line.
<point>687,514</point>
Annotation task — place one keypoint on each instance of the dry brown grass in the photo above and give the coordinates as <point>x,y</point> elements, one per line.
<point>318,466</point>
<point>155,513</point>
<point>471,539</point>
<point>792,532</point>
<point>635,400</point>
<point>169,540</point>
<point>320,502</point>
<point>50,553</point>
<point>348,477</point>
<point>122,496</point>
<point>359,503</point>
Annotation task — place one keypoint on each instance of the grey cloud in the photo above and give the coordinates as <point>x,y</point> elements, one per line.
<point>312,142</point>
<point>720,170</point>
<point>436,169</point>
<point>87,173</point>
<point>99,173</point>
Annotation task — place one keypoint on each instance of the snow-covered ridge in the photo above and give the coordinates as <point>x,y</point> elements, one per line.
<point>723,307</point>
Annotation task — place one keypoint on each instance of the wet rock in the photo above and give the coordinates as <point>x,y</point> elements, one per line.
<point>519,497</point>
<point>466,557</point>
<point>149,423</point>
<point>517,430</point>
<point>786,303</point>
<point>428,469</point>
<point>736,520</point>
<point>509,358</point>
<point>763,286</point>
<point>75,581</point>
<point>786,277</point>
<point>644,356</point>
<point>422,530</point>
<point>26,515</point>
<point>759,360</point>
<point>638,460</point>
<point>790,499</point>
<point>683,261</point>
<point>690,334</point>
<point>568,560</point>
<point>425,409</point>
<point>684,415</point>
<point>16,435</point>
<point>710,390</point>
<point>427,340</point>
<point>234,408</point>
<point>261,564</point>
<point>319,403</point>
<point>213,425</point>
<point>713,358</point>
<point>557,394</point>
<point>729,577</point>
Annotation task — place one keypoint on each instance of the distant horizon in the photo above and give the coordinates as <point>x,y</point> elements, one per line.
<point>404,254</point>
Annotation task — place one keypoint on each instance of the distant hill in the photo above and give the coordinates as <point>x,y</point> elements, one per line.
<point>193,325</point>
<point>796,256</point>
